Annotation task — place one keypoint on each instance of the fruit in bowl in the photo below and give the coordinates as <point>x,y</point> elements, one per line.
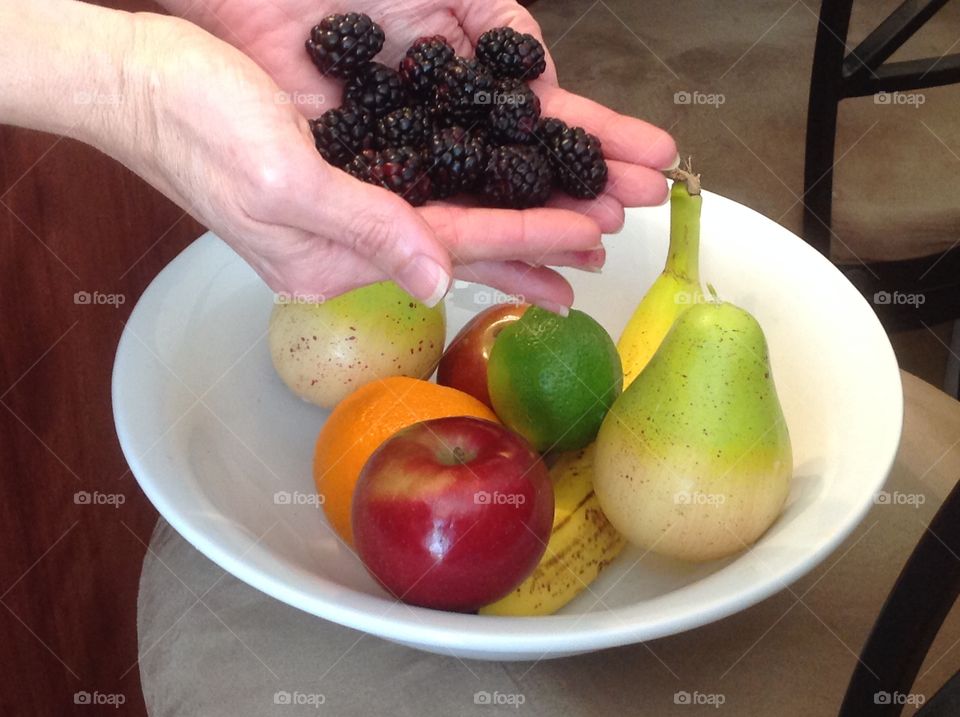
<point>363,421</point>
<point>452,513</point>
<point>582,543</point>
<point>464,363</point>
<point>552,378</point>
<point>694,459</point>
<point>324,350</point>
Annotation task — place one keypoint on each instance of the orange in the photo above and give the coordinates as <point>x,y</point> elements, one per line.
<point>366,418</point>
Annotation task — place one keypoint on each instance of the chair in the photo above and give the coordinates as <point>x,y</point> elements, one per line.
<point>919,602</point>
<point>837,75</point>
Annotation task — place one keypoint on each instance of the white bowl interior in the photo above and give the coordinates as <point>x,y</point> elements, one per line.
<point>212,435</point>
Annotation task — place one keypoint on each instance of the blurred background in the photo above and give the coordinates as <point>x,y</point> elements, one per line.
<point>729,80</point>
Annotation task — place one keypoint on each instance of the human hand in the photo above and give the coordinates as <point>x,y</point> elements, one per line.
<point>219,139</point>
<point>273,34</point>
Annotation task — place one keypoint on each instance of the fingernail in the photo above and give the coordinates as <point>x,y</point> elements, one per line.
<point>425,279</point>
<point>558,309</point>
<point>594,259</point>
<point>673,165</point>
<point>665,199</point>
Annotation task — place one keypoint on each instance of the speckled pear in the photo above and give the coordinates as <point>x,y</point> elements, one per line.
<point>693,460</point>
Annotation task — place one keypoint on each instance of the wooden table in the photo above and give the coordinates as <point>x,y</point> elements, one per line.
<point>790,655</point>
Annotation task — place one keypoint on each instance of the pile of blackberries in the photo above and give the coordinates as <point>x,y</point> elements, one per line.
<point>442,124</point>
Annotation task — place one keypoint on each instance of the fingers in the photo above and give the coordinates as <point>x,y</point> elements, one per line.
<point>481,234</point>
<point>536,285</point>
<point>379,226</point>
<point>592,260</point>
<point>634,185</point>
<point>624,138</point>
<point>606,210</point>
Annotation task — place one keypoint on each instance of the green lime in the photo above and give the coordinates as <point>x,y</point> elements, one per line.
<point>553,379</point>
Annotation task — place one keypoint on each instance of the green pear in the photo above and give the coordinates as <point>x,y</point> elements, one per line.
<point>324,350</point>
<point>693,461</point>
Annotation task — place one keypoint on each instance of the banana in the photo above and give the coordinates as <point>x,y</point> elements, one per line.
<point>581,544</point>
<point>677,287</point>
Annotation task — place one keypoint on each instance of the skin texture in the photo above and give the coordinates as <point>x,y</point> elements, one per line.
<point>694,460</point>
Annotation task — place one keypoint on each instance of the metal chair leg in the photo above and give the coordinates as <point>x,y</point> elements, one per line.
<point>951,383</point>
<point>825,95</point>
<point>926,589</point>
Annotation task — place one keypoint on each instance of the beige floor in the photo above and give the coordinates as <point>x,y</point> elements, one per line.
<point>889,199</point>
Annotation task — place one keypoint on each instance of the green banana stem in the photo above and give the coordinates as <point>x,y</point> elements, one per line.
<point>683,259</point>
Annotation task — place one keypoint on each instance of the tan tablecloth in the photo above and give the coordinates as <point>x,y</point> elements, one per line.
<point>211,645</point>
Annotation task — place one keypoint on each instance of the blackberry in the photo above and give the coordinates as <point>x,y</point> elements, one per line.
<point>517,176</point>
<point>405,127</point>
<point>577,159</point>
<point>420,68</point>
<point>377,88</point>
<point>548,128</point>
<point>462,94</point>
<point>515,112</point>
<point>509,53</point>
<point>341,44</point>
<point>342,132</point>
<point>399,169</point>
<point>456,160</point>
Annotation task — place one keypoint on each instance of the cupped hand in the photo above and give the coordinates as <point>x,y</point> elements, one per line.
<point>478,240</point>
<point>217,135</point>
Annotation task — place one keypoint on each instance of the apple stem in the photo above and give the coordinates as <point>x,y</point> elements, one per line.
<point>460,455</point>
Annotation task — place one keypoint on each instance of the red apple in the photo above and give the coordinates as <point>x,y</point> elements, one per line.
<point>452,513</point>
<point>464,363</point>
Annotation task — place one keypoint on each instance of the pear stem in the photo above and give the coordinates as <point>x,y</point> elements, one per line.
<point>683,259</point>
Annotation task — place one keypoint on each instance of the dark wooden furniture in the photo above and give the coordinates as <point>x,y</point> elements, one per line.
<point>925,591</point>
<point>71,220</point>
<point>839,73</point>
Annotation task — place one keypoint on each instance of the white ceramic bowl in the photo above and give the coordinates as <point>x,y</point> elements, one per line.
<point>216,440</point>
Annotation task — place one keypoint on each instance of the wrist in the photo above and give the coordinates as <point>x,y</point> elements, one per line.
<point>62,71</point>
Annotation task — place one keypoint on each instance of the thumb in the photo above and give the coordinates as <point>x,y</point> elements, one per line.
<point>383,228</point>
